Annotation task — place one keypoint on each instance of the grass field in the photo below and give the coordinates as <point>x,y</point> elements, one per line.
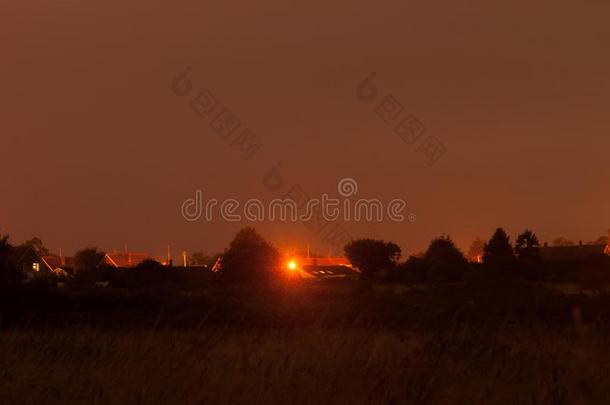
<point>308,345</point>
<point>302,365</point>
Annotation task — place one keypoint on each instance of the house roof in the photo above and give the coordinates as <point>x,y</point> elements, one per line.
<point>26,254</point>
<point>125,259</point>
<point>326,271</point>
<point>570,252</point>
<point>325,261</point>
<point>19,254</point>
<point>52,261</point>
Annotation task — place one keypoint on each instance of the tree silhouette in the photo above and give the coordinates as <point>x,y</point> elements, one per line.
<point>150,272</point>
<point>371,256</point>
<point>527,246</point>
<point>8,273</point>
<point>36,244</point>
<point>250,257</point>
<point>444,261</point>
<point>476,251</point>
<point>88,259</point>
<point>150,265</point>
<point>200,259</point>
<point>5,248</point>
<point>498,251</point>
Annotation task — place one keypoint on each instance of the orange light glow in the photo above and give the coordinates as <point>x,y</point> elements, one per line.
<point>292,265</point>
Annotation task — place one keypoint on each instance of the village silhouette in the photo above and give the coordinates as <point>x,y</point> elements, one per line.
<point>254,312</point>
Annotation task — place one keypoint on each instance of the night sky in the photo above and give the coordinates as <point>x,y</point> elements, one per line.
<point>97,150</point>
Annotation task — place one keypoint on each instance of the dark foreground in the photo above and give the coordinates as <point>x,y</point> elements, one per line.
<point>499,342</point>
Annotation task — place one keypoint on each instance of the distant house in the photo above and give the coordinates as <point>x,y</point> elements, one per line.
<point>555,253</point>
<point>125,259</point>
<point>25,259</point>
<point>327,267</point>
<point>329,271</point>
<point>326,261</point>
<point>58,265</point>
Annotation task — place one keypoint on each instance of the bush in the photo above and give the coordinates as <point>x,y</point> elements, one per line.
<point>443,261</point>
<point>594,273</point>
<point>94,275</point>
<point>372,256</point>
<point>413,271</point>
<point>250,258</point>
<point>43,281</point>
<point>560,271</point>
<point>88,259</point>
<point>149,273</point>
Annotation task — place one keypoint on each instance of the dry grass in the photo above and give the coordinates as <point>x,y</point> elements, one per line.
<point>303,365</point>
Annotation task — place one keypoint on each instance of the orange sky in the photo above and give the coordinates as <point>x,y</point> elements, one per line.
<point>98,151</point>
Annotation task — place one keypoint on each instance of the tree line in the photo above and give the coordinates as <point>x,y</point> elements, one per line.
<point>249,257</point>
